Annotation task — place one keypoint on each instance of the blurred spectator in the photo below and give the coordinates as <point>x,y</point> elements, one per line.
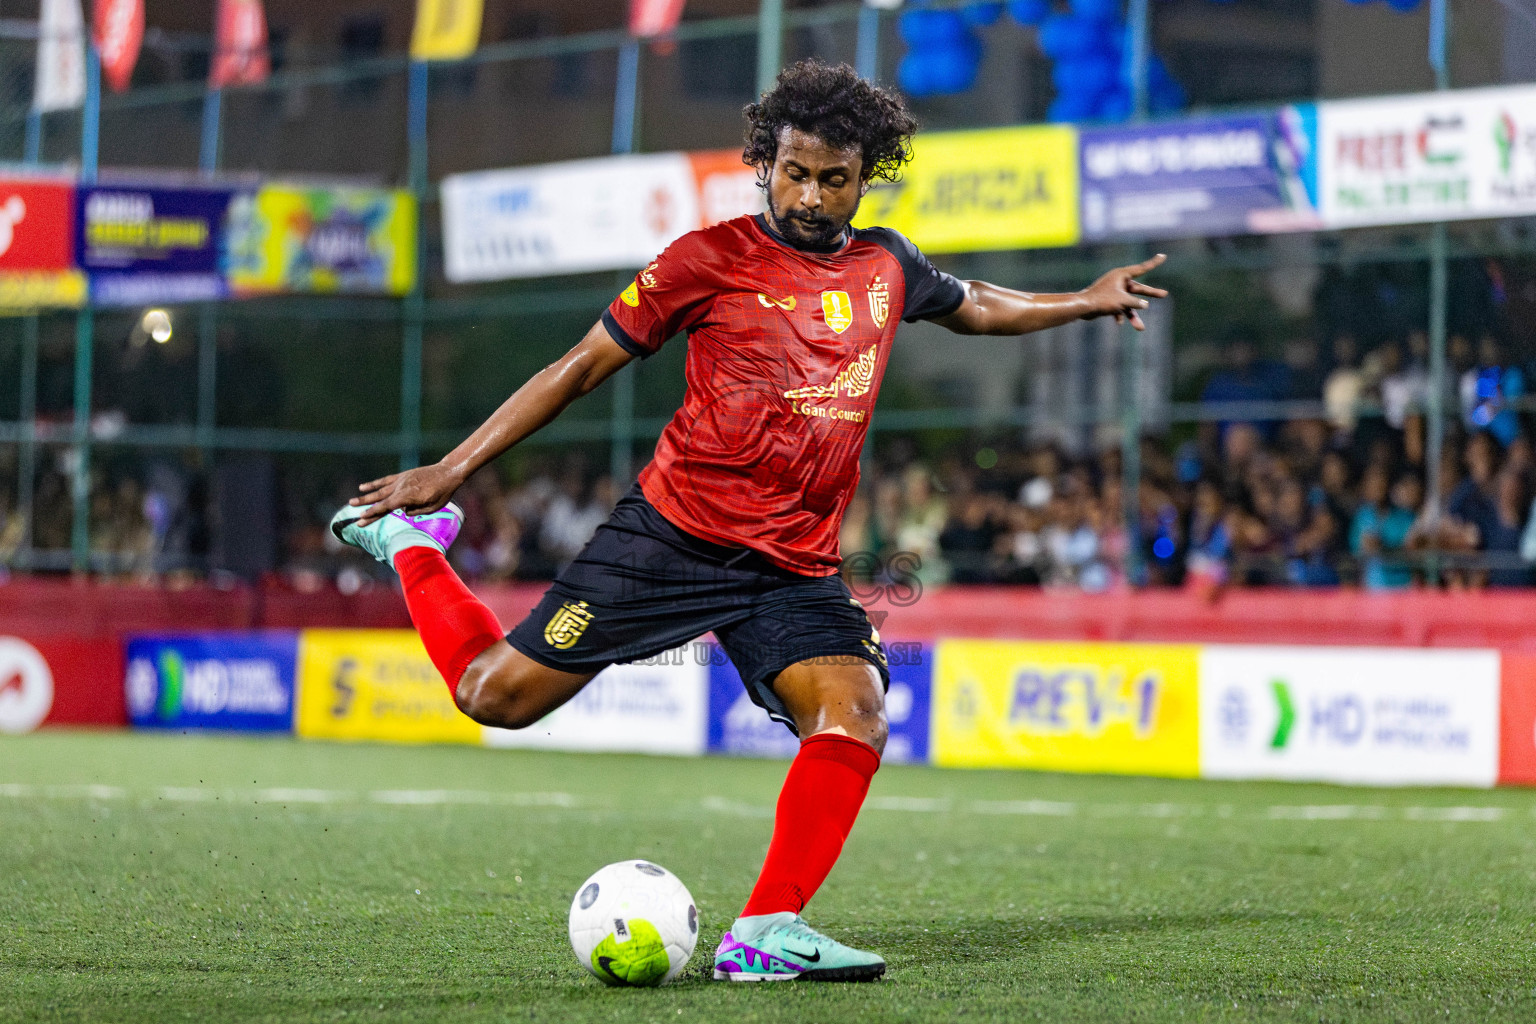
<point>1246,378</point>
<point>922,518</point>
<point>1344,385</point>
<point>1500,537</point>
<point>1404,387</point>
<point>1381,529</point>
<point>1488,390</point>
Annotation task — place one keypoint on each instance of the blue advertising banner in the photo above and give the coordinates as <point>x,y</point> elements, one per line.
<point>1247,174</point>
<point>241,682</point>
<point>738,726</point>
<point>142,244</point>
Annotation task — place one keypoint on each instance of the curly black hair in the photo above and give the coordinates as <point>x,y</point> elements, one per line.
<point>840,108</point>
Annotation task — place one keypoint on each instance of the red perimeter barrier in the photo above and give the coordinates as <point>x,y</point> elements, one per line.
<point>1410,618</point>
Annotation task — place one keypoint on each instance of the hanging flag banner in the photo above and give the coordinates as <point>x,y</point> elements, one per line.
<point>1000,188</point>
<point>147,244</point>
<point>292,239</point>
<point>60,80</point>
<point>240,55</point>
<point>1211,176</point>
<point>566,218</point>
<point>1435,156</point>
<point>37,253</point>
<point>119,30</point>
<point>446,29</point>
<point>653,17</point>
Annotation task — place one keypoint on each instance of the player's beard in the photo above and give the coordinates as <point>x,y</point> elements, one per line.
<point>807,228</point>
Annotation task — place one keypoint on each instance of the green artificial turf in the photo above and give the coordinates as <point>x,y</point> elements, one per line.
<point>432,883</point>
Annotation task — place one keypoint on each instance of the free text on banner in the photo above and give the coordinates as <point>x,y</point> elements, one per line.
<point>1378,716</point>
<point>1434,156</point>
<point>374,684</point>
<point>657,706</point>
<point>1124,708</point>
<point>1001,188</point>
<point>242,682</point>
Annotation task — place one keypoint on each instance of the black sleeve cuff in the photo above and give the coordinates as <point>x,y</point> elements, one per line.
<point>945,306</point>
<point>621,337</point>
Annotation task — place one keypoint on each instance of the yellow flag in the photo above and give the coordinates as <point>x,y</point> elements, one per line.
<point>446,29</point>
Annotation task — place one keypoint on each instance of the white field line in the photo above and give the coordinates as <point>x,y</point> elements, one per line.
<point>725,805</point>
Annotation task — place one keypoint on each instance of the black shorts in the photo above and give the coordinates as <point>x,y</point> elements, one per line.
<point>642,586</point>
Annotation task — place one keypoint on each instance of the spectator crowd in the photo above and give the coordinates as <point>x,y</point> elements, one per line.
<point>1307,471</point>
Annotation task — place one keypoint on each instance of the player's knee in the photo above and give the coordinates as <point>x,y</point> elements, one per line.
<point>492,694</point>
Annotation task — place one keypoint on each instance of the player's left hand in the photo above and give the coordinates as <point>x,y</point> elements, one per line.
<point>1120,295</point>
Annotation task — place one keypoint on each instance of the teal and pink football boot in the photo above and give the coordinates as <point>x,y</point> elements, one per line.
<point>782,947</point>
<point>387,537</point>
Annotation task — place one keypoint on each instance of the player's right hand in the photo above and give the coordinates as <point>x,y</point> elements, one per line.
<point>414,492</point>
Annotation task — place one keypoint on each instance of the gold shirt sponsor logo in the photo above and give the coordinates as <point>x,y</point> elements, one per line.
<point>854,380</point>
<point>787,304</point>
<point>567,625</point>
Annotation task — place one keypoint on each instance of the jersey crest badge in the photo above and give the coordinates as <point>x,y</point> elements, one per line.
<point>879,302</point>
<point>630,295</point>
<point>567,625</point>
<point>838,309</point>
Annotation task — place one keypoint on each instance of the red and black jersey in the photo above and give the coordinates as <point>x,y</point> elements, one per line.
<point>786,349</point>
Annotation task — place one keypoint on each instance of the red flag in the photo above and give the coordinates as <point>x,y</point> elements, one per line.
<point>118,26</point>
<point>653,17</point>
<point>240,54</point>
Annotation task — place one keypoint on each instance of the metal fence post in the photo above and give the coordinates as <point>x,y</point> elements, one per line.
<point>85,332</point>
<point>208,316</point>
<point>626,106</point>
<point>1439,288</point>
<point>414,318</point>
<point>26,469</point>
<point>866,59</point>
<point>770,43</point>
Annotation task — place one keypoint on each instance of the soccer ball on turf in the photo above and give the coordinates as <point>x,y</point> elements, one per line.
<point>634,923</point>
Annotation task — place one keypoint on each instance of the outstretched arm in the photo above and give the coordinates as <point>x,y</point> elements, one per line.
<point>992,309</point>
<point>536,403</point>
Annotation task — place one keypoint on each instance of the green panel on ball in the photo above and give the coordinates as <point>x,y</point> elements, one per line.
<point>641,960</point>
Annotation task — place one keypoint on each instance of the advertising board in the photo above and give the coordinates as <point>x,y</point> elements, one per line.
<point>1232,175</point>
<point>1077,707</point>
<point>142,243</point>
<point>1517,718</point>
<point>656,706</point>
<point>565,218</point>
<point>1380,716</point>
<point>37,254</point>
<point>738,726</point>
<point>228,681</point>
<point>322,240</point>
<point>374,684</point>
<point>999,188</point>
<point>1433,156</point>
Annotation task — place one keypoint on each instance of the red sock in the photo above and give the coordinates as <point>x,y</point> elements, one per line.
<point>817,806</point>
<point>454,625</point>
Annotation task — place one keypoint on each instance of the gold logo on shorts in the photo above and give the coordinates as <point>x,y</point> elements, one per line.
<point>569,622</point>
<point>838,310</point>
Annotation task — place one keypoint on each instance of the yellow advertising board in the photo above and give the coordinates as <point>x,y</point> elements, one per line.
<point>999,188</point>
<point>374,684</point>
<point>30,290</point>
<point>1130,709</point>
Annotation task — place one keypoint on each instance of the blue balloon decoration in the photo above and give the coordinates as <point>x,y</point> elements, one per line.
<point>981,14</point>
<point>1097,10</point>
<point>1063,37</point>
<point>1114,105</point>
<point>1088,76</point>
<point>1069,108</point>
<point>924,29</point>
<point>1029,12</point>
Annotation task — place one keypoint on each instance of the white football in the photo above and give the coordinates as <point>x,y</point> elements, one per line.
<point>634,923</point>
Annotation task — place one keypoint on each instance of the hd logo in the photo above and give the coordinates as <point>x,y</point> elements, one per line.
<point>212,681</point>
